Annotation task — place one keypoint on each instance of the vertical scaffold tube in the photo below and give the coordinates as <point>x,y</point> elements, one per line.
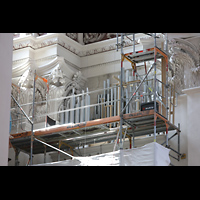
<point>121,98</point>
<point>166,49</point>
<point>127,89</point>
<point>32,133</point>
<point>154,87</point>
<point>121,105</point>
<point>118,97</point>
<point>115,104</point>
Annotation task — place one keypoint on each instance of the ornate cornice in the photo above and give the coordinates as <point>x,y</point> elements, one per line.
<point>45,41</point>
<point>67,43</point>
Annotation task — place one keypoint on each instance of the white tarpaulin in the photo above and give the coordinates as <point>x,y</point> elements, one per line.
<point>152,154</point>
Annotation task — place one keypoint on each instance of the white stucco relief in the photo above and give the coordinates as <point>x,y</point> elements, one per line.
<point>61,78</point>
<point>184,69</point>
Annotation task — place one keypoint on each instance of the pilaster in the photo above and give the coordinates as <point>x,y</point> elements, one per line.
<point>193,124</point>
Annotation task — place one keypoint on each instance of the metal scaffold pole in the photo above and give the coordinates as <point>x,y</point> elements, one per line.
<point>32,133</point>
<point>155,87</point>
<point>121,91</point>
<point>121,101</point>
<point>166,49</point>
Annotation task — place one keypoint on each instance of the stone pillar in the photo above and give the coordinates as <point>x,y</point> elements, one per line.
<point>6,51</point>
<point>193,125</point>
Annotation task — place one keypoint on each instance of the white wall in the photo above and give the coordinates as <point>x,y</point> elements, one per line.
<point>187,114</point>
<point>6,51</point>
<point>180,117</point>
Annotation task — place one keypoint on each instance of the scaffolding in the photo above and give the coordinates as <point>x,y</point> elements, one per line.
<point>143,56</point>
<point>76,125</point>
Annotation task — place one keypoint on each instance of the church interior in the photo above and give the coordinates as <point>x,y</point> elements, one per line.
<point>100,99</point>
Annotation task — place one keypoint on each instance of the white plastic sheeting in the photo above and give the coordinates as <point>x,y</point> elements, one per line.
<point>152,154</point>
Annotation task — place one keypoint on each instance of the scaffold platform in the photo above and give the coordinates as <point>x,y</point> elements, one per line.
<point>72,135</point>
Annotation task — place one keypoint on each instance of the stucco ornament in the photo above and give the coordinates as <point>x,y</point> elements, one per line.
<point>184,64</point>
<point>93,37</point>
<point>57,77</point>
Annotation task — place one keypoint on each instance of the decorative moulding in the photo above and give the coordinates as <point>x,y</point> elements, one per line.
<point>191,90</point>
<point>67,43</point>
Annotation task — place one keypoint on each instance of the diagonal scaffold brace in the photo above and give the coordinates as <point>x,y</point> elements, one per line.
<point>122,111</point>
